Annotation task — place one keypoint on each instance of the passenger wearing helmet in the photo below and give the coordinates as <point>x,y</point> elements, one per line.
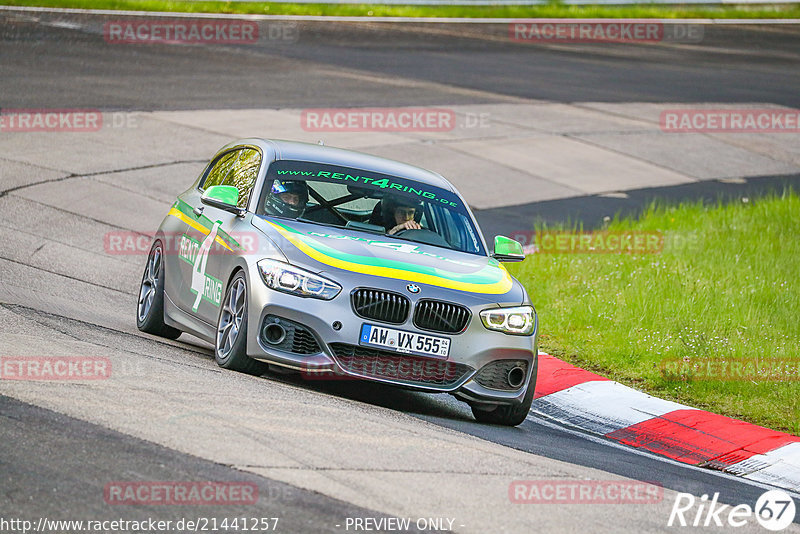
<point>401,214</point>
<point>287,198</point>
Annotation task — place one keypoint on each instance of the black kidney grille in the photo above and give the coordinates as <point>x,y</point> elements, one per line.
<point>402,368</point>
<point>380,305</point>
<point>438,316</point>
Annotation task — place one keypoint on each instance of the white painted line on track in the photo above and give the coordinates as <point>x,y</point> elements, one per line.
<point>324,18</point>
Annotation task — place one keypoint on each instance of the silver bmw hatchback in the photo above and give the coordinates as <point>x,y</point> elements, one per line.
<point>338,264</point>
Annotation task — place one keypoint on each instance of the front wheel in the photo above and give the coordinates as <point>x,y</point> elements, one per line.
<point>230,349</point>
<point>508,414</point>
<point>150,310</point>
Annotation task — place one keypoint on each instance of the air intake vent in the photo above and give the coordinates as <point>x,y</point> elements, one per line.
<point>438,316</point>
<point>399,368</point>
<point>380,305</point>
<point>288,336</point>
<point>503,375</point>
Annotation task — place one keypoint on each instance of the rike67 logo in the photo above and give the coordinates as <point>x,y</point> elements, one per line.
<point>774,510</point>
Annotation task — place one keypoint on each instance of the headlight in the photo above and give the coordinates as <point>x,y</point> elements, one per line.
<point>287,278</point>
<point>519,321</point>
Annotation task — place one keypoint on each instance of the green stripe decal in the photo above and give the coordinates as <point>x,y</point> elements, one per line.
<point>491,278</point>
<point>187,210</point>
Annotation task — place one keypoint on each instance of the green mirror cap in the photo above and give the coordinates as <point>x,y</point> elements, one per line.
<point>223,193</point>
<point>505,246</point>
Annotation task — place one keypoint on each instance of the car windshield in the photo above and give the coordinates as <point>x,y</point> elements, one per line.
<point>370,202</point>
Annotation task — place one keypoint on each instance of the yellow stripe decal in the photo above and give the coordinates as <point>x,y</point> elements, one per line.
<point>197,226</point>
<point>495,288</point>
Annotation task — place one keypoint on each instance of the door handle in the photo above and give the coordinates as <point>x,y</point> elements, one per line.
<point>198,211</point>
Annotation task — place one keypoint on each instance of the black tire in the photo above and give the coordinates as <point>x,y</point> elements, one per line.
<point>230,347</point>
<point>150,307</point>
<point>508,414</point>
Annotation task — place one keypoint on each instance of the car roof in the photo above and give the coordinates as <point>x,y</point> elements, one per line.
<point>276,149</point>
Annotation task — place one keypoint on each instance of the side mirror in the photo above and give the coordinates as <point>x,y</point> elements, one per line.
<point>507,250</point>
<point>224,197</point>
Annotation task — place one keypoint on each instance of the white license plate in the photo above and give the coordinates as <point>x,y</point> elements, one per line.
<point>405,342</point>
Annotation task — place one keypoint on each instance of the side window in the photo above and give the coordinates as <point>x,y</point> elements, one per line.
<point>221,171</point>
<point>238,168</point>
<point>455,228</point>
<point>443,223</point>
<point>245,173</point>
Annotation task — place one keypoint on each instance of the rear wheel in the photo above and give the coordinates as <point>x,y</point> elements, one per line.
<point>230,350</point>
<point>150,310</point>
<point>508,414</point>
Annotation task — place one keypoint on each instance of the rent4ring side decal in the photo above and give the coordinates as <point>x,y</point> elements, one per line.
<point>195,254</point>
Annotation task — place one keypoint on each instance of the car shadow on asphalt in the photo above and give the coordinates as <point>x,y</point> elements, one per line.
<point>439,405</point>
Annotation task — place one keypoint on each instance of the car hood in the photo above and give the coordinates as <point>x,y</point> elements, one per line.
<point>324,248</point>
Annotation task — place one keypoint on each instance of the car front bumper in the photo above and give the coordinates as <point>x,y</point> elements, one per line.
<point>336,330</point>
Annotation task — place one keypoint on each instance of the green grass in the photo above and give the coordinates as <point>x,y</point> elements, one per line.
<point>725,287</point>
<point>552,10</point>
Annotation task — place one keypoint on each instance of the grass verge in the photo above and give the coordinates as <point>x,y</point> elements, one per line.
<point>552,10</point>
<point>724,289</point>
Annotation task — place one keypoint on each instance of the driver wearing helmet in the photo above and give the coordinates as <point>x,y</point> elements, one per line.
<point>287,198</point>
<point>401,214</point>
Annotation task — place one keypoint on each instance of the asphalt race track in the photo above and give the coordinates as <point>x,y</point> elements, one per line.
<point>318,452</point>
<point>354,64</point>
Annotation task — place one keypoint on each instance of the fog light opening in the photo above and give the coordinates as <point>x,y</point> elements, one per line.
<point>516,377</point>
<point>274,334</point>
